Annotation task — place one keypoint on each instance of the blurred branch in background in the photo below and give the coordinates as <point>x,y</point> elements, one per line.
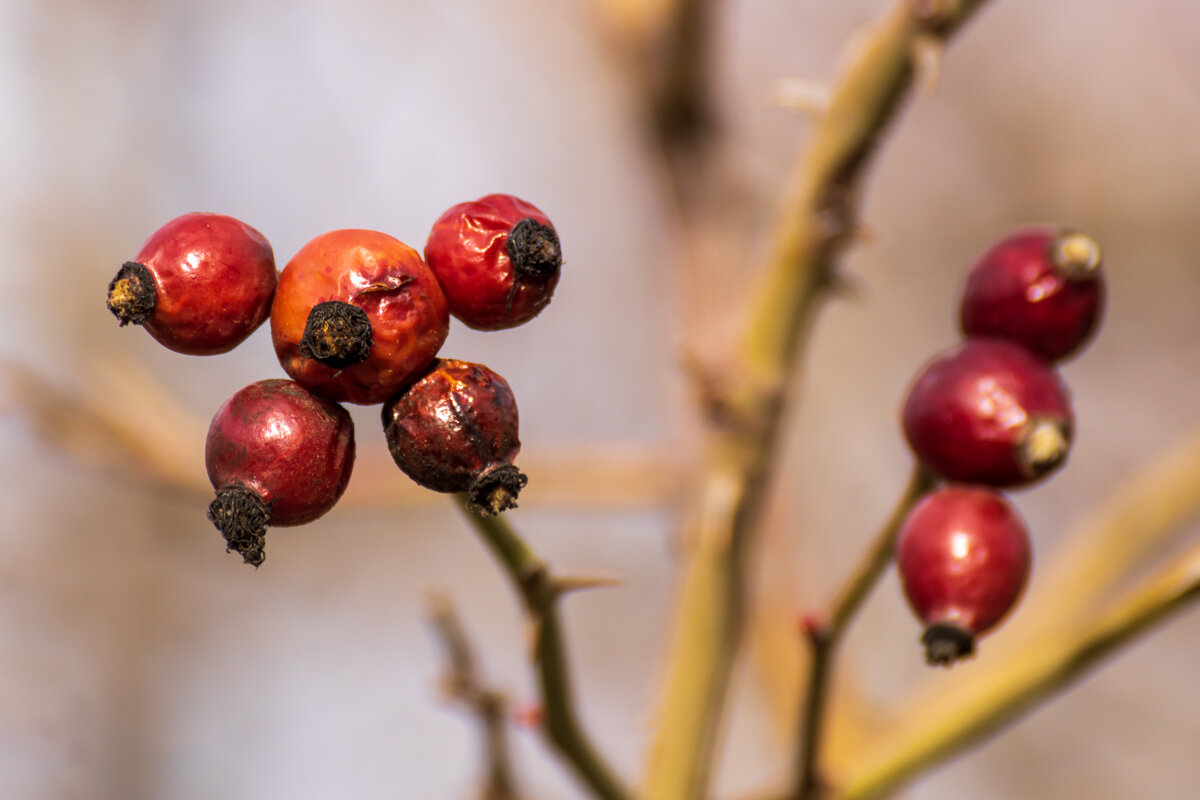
<point>819,217</point>
<point>463,683</point>
<point>129,423</point>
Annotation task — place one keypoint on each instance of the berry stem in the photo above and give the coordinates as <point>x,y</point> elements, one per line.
<point>132,295</point>
<point>819,218</point>
<point>337,333</point>
<point>1037,671</point>
<point>538,589</point>
<point>824,638</point>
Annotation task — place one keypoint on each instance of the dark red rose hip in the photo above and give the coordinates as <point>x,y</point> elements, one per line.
<point>357,316</point>
<point>1041,288</point>
<point>964,557</point>
<point>200,284</point>
<point>498,259</point>
<point>455,430</point>
<point>989,412</point>
<point>277,455</point>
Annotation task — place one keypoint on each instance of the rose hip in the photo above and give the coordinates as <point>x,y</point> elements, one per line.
<point>357,315</point>
<point>1041,288</point>
<point>200,284</point>
<point>455,430</point>
<point>277,455</point>
<point>963,555</point>
<point>989,412</point>
<point>498,260</point>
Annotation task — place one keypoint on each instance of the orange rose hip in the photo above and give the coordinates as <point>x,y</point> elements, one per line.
<point>357,315</point>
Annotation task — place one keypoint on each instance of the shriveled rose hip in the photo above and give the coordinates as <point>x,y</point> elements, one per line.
<point>989,412</point>
<point>1041,288</point>
<point>357,315</point>
<point>455,430</point>
<point>277,455</point>
<point>498,259</point>
<point>964,556</point>
<point>200,284</point>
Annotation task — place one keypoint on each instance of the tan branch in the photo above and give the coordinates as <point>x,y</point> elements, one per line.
<point>819,218</point>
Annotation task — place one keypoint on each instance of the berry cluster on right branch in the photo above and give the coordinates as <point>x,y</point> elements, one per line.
<point>993,413</point>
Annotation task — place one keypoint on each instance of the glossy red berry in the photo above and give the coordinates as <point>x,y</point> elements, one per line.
<point>989,412</point>
<point>1040,288</point>
<point>964,557</point>
<point>357,315</point>
<point>277,455</point>
<point>200,284</point>
<point>498,259</point>
<point>455,430</point>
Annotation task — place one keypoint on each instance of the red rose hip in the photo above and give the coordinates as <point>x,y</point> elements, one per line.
<point>989,412</point>
<point>964,557</point>
<point>498,259</point>
<point>277,455</point>
<point>1040,288</point>
<point>357,315</point>
<point>455,430</point>
<point>200,284</point>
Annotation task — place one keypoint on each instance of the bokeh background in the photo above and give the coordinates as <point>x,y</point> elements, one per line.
<point>139,661</point>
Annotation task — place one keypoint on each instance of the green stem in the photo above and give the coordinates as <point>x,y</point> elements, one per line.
<point>824,636</point>
<point>540,594</point>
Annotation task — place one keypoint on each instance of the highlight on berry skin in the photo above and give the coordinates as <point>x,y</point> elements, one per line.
<point>497,258</point>
<point>200,285</point>
<point>989,412</point>
<point>964,558</point>
<point>277,455</point>
<point>455,430</point>
<point>1042,288</point>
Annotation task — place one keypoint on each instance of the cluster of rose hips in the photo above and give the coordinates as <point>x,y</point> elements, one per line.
<point>356,316</point>
<point>993,413</point>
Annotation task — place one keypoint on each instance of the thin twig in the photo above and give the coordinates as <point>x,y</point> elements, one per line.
<point>818,221</point>
<point>463,683</point>
<point>540,592</point>
<point>825,635</point>
<point>1039,671</point>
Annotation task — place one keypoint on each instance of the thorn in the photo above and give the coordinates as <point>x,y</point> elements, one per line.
<point>801,94</point>
<point>809,623</point>
<point>927,60</point>
<point>529,715</point>
<point>560,586</point>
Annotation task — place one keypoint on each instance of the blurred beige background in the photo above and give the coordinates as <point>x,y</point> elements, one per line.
<point>139,661</point>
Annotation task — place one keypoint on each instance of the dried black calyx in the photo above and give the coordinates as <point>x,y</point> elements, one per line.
<point>132,295</point>
<point>241,516</point>
<point>337,334</point>
<point>534,249</point>
<point>946,643</point>
<point>495,490</point>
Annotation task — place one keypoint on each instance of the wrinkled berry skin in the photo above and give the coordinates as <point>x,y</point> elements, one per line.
<point>1029,289</point>
<point>964,557</point>
<point>385,278</point>
<point>213,278</point>
<point>498,259</point>
<point>455,430</point>
<point>293,448</point>
<point>989,412</point>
